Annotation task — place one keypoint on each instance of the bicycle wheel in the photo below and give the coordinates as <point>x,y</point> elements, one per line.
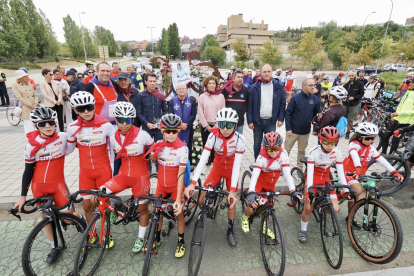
<point>244,186</point>
<point>331,236</point>
<point>197,244</point>
<point>151,250</point>
<point>37,245</point>
<point>273,250</point>
<point>381,241</point>
<point>389,186</point>
<point>14,120</point>
<point>154,182</point>
<point>192,206</point>
<point>218,199</point>
<point>299,180</point>
<point>89,255</point>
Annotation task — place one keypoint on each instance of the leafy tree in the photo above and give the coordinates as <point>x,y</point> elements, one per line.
<point>163,44</point>
<point>125,47</point>
<point>209,40</point>
<point>73,36</point>
<point>106,38</point>
<point>52,45</point>
<point>174,48</point>
<point>367,54</point>
<point>90,47</point>
<point>334,53</point>
<point>270,53</point>
<point>216,54</point>
<point>346,58</point>
<point>308,47</point>
<point>243,54</point>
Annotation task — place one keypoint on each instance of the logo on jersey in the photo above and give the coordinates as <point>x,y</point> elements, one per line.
<point>242,96</point>
<point>59,143</point>
<point>311,101</point>
<point>97,132</point>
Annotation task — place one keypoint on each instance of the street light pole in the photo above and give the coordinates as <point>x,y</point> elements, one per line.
<point>365,21</point>
<point>83,40</point>
<point>205,53</point>
<point>385,36</point>
<point>152,43</point>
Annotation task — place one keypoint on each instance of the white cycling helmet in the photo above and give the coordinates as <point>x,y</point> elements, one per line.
<point>339,92</point>
<point>42,113</point>
<point>125,110</point>
<point>367,129</point>
<point>81,98</point>
<point>227,115</point>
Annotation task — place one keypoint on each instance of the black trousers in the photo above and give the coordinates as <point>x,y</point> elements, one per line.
<point>59,111</point>
<point>385,137</point>
<point>4,97</point>
<point>204,136</point>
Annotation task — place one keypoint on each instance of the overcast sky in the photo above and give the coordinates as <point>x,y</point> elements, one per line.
<point>129,20</point>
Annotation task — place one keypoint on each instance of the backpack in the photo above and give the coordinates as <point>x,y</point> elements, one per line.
<point>342,125</point>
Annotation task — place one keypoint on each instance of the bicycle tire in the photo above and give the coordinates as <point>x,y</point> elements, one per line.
<point>219,188</point>
<point>299,180</point>
<point>393,248</point>
<point>244,186</point>
<point>192,206</point>
<point>36,264</point>
<point>278,244</point>
<point>334,260</point>
<point>197,244</point>
<point>150,249</point>
<point>14,120</point>
<point>90,253</point>
<point>388,187</point>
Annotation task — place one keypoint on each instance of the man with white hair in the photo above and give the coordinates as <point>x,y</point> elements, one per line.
<point>148,70</point>
<point>247,80</point>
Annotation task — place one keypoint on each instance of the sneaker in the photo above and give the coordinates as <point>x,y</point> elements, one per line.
<point>179,252</point>
<point>112,218</point>
<point>94,237</point>
<point>232,239</point>
<point>111,241</point>
<point>270,234</point>
<point>52,256</point>
<point>139,244</point>
<point>245,224</point>
<point>347,135</point>
<point>303,236</point>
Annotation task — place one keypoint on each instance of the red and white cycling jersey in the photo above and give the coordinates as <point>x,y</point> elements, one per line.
<point>50,160</point>
<point>170,159</point>
<point>135,163</point>
<point>92,144</point>
<point>234,145</point>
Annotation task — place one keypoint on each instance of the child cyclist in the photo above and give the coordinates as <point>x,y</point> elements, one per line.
<point>129,143</point>
<point>320,160</point>
<point>172,156</point>
<point>44,155</point>
<point>269,164</point>
<point>229,149</point>
<point>360,153</point>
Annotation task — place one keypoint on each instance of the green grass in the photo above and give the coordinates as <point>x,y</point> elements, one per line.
<point>393,81</point>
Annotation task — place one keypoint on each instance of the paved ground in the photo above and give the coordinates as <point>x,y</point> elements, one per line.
<point>219,258</point>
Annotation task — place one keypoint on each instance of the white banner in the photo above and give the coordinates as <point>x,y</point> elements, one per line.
<point>181,74</point>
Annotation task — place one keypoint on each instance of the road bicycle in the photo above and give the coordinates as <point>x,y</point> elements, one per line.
<point>213,200</point>
<point>67,230</point>
<point>12,118</point>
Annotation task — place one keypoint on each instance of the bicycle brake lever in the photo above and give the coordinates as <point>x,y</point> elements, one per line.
<point>13,213</point>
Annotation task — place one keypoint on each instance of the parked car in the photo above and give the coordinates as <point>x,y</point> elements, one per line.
<point>398,67</point>
<point>409,69</point>
<point>387,67</point>
<point>368,70</point>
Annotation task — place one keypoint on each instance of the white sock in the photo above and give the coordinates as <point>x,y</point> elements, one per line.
<point>141,232</point>
<point>52,243</point>
<point>303,225</point>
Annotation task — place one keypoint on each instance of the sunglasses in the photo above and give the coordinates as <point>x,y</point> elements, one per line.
<point>43,124</point>
<point>50,74</point>
<point>273,149</point>
<point>90,72</point>
<point>128,121</point>
<point>227,125</point>
<point>369,138</point>
<point>83,108</point>
<point>329,143</point>
<point>170,130</point>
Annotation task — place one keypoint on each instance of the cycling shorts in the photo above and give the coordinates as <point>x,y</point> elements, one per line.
<point>169,192</point>
<point>267,181</point>
<point>332,194</point>
<point>351,180</point>
<point>216,174</point>
<point>57,190</point>
<point>93,179</point>
<point>139,185</point>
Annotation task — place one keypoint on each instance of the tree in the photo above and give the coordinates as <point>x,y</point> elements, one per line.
<point>216,54</point>
<point>240,48</point>
<point>367,54</point>
<point>73,36</point>
<point>163,43</point>
<point>334,53</point>
<point>270,53</point>
<point>90,47</point>
<point>209,40</point>
<point>52,45</point>
<point>308,47</point>
<point>106,38</point>
<point>174,48</point>
<point>346,58</point>
<point>125,47</point>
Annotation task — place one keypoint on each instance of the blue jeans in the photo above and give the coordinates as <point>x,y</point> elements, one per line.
<point>239,129</point>
<point>157,136</point>
<point>265,126</point>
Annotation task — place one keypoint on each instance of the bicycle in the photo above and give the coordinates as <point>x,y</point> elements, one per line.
<point>12,118</point>
<point>212,201</point>
<point>66,228</point>
<point>379,239</point>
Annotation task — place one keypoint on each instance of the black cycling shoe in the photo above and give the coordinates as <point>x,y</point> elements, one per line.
<point>232,239</point>
<point>51,258</point>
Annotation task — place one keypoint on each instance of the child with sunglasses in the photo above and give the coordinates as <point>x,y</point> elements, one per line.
<point>360,154</point>
<point>172,156</point>
<point>44,155</point>
<point>269,164</point>
<point>228,146</point>
<point>319,163</point>
<point>90,133</point>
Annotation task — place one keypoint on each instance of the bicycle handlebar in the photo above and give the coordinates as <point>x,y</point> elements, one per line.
<point>374,175</point>
<point>329,187</point>
<point>201,188</point>
<point>153,198</point>
<point>273,193</point>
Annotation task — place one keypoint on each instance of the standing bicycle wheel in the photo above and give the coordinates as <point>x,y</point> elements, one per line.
<point>37,246</point>
<point>381,237</point>
<point>12,118</point>
<point>244,189</point>
<point>273,250</point>
<point>197,244</point>
<point>299,180</point>
<point>331,236</point>
<point>92,247</point>
<point>151,248</point>
<point>192,205</point>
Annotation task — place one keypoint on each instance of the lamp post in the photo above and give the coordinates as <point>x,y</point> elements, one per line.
<point>152,43</point>
<point>365,21</point>
<point>205,55</point>
<point>385,36</point>
<point>83,40</point>
<point>255,37</point>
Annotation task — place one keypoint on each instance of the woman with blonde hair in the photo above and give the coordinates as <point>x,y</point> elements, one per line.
<point>24,92</point>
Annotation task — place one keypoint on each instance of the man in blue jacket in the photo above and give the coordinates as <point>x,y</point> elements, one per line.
<point>266,105</point>
<point>75,85</point>
<point>299,114</point>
